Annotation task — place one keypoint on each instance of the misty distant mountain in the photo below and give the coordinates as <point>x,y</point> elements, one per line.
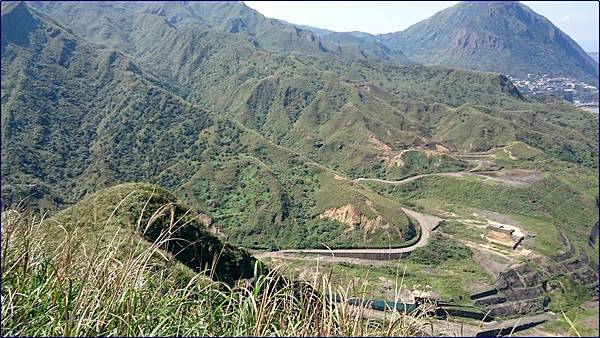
<point>116,23</point>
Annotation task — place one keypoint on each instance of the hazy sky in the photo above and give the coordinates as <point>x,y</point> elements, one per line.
<point>579,19</point>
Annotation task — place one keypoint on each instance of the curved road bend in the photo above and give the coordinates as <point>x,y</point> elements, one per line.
<point>427,224</point>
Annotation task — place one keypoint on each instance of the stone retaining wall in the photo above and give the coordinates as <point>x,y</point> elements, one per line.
<point>518,290</point>
<point>363,255</point>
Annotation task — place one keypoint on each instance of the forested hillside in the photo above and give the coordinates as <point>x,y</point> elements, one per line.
<point>96,117</point>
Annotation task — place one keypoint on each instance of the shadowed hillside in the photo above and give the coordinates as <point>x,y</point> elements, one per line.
<point>148,212</point>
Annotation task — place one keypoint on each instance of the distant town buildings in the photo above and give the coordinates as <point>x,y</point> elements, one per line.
<point>577,92</point>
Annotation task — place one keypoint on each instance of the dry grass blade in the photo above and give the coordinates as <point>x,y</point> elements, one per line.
<point>120,284</point>
<point>570,322</point>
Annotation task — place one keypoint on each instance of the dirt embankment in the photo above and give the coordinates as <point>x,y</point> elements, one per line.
<point>348,215</point>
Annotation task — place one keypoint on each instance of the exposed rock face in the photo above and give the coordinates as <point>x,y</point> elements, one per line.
<point>499,36</point>
<point>385,152</point>
<point>348,215</point>
<point>497,236</point>
<point>467,43</point>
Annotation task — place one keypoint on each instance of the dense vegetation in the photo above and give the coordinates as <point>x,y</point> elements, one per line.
<point>563,200</point>
<point>261,160</point>
<point>299,102</point>
<point>142,211</point>
<point>227,17</point>
<point>439,250</point>
<point>117,109</point>
<point>259,129</point>
<point>469,35</point>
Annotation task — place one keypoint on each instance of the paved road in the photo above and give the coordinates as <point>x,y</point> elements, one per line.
<point>427,224</point>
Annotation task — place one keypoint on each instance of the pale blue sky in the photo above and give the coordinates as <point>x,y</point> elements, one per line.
<point>579,19</point>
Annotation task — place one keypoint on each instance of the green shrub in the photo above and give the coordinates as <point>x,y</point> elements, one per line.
<point>439,250</point>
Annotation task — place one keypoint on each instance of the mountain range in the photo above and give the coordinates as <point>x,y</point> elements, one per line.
<point>499,36</point>
<point>224,130</point>
<point>244,118</point>
<point>79,116</point>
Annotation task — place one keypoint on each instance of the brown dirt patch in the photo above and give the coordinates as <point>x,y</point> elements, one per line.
<point>513,176</point>
<point>491,265</point>
<point>500,238</point>
<point>348,215</point>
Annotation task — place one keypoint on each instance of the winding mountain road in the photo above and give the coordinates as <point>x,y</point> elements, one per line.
<point>522,178</point>
<point>427,224</point>
<point>412,178</point>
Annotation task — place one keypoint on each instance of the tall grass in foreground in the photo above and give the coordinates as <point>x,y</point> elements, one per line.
<point>99,290</point>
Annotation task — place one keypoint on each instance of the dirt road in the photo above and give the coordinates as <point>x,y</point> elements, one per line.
<point>514,177</point>
<point>410,179</point>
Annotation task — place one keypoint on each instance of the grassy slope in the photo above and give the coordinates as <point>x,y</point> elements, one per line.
<point>563,198</point>
<point>138,211</point>
<point>446,267</point>
<point>236,18</point>
<point>265,196</point>
<point>123,286</point>
<point>275,100</point>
